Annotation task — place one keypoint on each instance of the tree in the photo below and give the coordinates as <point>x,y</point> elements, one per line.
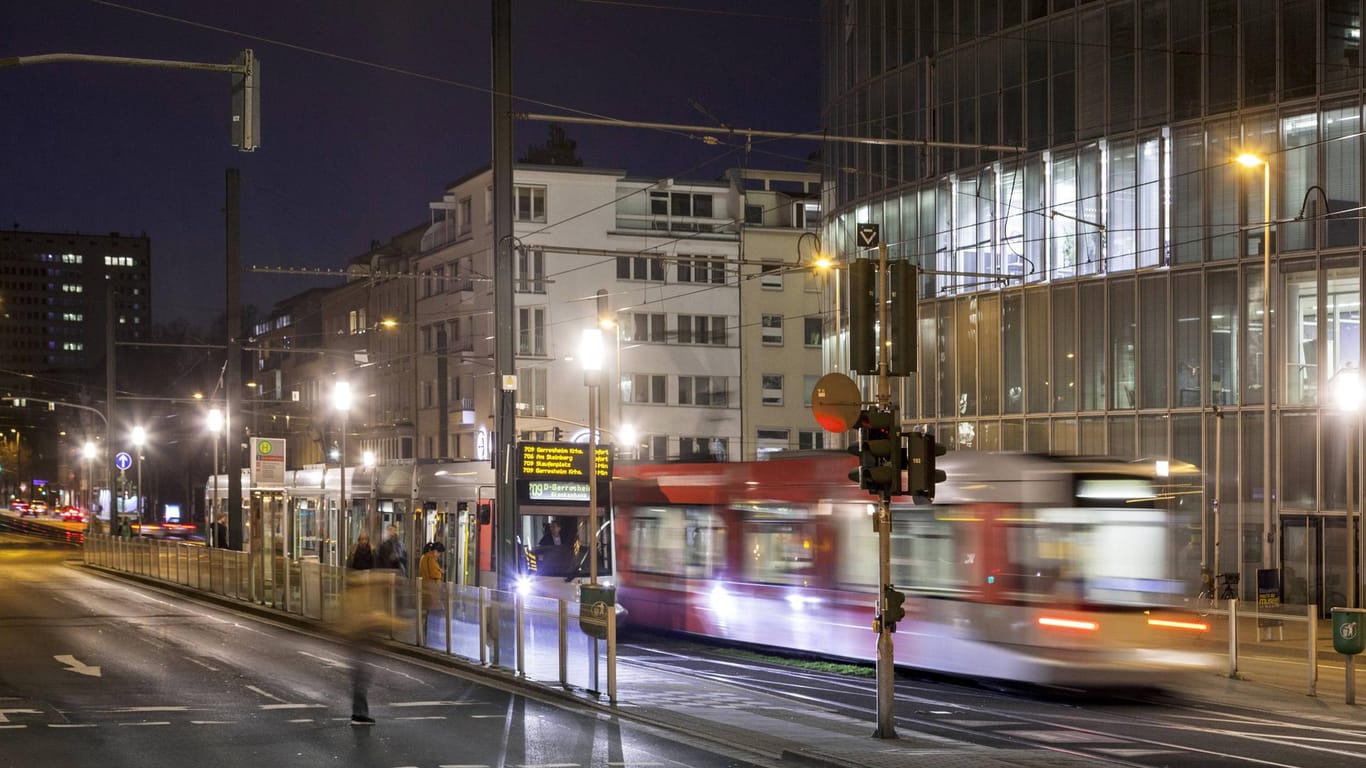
<point>557,149</point>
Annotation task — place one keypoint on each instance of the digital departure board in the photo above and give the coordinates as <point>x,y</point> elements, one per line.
<point>557,473</point>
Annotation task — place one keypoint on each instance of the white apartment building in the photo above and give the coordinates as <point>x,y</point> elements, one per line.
<point>654,263</point>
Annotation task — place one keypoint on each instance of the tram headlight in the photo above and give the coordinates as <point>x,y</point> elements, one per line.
<point>722,603</point>
<point>523,585</point>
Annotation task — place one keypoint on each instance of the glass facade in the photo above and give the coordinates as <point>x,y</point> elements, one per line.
<point>1102,289</point>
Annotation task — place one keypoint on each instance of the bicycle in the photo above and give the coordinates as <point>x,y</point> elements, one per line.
<point>1207,600</point>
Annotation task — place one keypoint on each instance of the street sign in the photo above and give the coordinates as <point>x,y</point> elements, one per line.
<point>869,235</point>
<point>268,463</point>
<point>123,460</point>
<point>836,402</point>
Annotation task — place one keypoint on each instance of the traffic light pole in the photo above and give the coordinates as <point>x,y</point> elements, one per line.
<point>886,669</point>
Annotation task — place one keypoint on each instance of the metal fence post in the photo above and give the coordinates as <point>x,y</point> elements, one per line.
<point>1232,637</point>
<point>1313,623</point>
<point>517,616</point>
<point>562,644</point>
<point>612,655</point>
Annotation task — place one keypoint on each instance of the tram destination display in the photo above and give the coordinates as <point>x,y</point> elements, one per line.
<point>556,474</point>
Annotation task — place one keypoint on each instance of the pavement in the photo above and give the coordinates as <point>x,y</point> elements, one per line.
<point>1272,677</point>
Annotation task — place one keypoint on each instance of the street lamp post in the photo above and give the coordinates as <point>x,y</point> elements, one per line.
<point>88,452</point>
<point>1348,394</point>
<point>341,400</point>
<point>139,439</point>
<point>591,353</point>
<point>1252,161</point>
<point>215,424</point>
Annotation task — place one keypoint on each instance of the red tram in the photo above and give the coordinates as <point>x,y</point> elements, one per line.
<point>1026,568</point>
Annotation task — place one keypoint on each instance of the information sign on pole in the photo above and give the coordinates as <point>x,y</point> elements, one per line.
<point>268,463</point>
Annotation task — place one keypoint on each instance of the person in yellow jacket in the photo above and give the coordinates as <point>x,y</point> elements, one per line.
<point>429,571</point>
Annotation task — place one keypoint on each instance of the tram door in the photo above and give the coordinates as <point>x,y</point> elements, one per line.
<point>1314,561</point>
<point>269,537</point>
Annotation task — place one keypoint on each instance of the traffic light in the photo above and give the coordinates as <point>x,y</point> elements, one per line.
<point>879,452</point>
<point>892,611</point>
<point>905,328</point>
<point>921,475</point>
<point>862,316</point>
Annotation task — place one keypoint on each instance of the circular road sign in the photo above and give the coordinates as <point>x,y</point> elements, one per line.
<point>836,402</point>
<point>123,460</point>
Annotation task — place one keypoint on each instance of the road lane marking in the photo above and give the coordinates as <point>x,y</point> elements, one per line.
<point>150,709</point>
<point>328,662</point>
<point>205,665</point>
<point>422,717</point>
<point>429,704</point>
<point>461,765</point>
<point>72,725</point>
<point>79,667</point>
<point>290,706</point>
<point>254,689</point>
<point>11,727</point>
<point>300,720</point>
<point>213,722</point>
<point>153,722</point>
<point>4,712</point>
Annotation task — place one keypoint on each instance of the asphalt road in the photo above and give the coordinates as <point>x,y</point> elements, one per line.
<point>95,671</point>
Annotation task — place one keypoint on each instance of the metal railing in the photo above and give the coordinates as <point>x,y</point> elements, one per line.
<point>532,637</point>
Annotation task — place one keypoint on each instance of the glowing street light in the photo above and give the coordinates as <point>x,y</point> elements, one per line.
<point>1249,160</point>
<point>139,440</point>
<point>214,422</point>
<point>341,401</point>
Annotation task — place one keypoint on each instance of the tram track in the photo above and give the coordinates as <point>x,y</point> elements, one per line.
<point>1198,733</point>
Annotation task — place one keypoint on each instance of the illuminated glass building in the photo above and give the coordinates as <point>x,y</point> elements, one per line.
<point>1100,291</point>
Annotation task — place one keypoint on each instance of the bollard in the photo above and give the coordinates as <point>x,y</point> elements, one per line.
<point>517,615</point>
<point>612,657</point>
<point>563,645</point>
<point>1232,637</point>
<point>1312,612</point>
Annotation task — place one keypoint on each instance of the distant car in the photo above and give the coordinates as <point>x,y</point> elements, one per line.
<point>72,514</point>
<point>20,506</point>
<point>36,508</point>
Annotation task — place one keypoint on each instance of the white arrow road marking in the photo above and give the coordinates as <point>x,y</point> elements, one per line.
<point>4,712</point>
<point>79,667</point>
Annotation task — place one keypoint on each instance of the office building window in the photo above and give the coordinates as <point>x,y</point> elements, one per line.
<point>771,385</point>
<point>644,389</point>
<point>531,391</point>
<point>702,448</point>
<point>531,331</point>
<point>811,331</point>
<point>702,329</point>
<point>811,440</point>
<point>530,270</point>
<point>701,269</point>
<point>771,276</point>
<point>643,326</point>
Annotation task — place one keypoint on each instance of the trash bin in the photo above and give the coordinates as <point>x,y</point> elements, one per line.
<point>1349,637</point>
<point>594,603</point>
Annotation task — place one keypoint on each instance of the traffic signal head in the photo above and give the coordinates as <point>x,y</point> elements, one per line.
<point>921,475</point>
<point>879,452</point>
<point>892,610</point>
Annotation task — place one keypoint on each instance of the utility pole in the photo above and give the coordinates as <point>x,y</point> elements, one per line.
<point>505,391</point>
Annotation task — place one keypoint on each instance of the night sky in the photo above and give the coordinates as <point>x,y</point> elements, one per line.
<point>369,109</point>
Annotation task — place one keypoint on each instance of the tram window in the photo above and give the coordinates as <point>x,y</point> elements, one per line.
<point>688,542</point>
<point>779,552</point>
<point>932,556</point>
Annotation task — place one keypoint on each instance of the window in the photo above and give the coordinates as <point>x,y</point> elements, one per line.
<point>701,269</point>
<point>702,448</point>
<point>702,329</point>
<point>811,440</point>
<point>811,331</point>
<point>530,270</point>
<point>356,321</point>
<point>643,326</point>
<point>531,391</point>
<point>773,329</point>
<point>703,390</point>
<point>439,280</point>
<point>770,440</point>
<point>754,214</point>
<point>772,388</point>
<point>465,212</point>
<point>529,203</point>
<point>642,388</point>
<point>771,276</point>
<point>640,268</point>
<point>531,331</point>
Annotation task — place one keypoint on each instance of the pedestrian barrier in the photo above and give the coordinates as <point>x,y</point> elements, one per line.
<point>528,636</point>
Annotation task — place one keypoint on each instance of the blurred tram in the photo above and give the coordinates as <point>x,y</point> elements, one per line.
<point>1028,568</point>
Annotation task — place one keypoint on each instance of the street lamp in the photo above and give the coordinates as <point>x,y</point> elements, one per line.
<point>1348,395</point>
<point>215,425</point>
<point>341,400</point>
<point>1249,160</point>
<point>139,439</point>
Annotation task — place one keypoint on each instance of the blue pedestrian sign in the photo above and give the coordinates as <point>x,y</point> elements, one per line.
<point>123,460</point>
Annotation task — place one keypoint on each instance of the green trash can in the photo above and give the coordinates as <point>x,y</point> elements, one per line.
<point>1349,630</point>
<point>594,603</point>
